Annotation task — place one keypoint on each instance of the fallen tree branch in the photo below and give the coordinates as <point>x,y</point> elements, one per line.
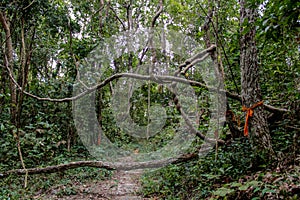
<point>103,165</point>
<point>155,78</point>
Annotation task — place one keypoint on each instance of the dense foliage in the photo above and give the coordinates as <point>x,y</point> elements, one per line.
<point>49,39</point>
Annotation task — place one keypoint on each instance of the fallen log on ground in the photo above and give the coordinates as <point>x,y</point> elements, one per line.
<point>101,164</point>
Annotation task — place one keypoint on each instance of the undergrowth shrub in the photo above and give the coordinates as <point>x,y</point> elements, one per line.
<point>232,172</point>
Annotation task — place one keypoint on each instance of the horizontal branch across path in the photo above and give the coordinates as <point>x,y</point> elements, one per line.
<point>187,64</point>
<point>155,78</point>
<point>100,164</point>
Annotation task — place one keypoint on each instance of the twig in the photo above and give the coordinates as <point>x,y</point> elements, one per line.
<point>200,55</point>
<point>100,9</point>
<point>205,27</point>
<point>29,5</point>
<point>293,127</point>
<point>193,63</point>
<point>129,15</point>
<point>157,13</point>
<point>21,159</point>
<point>23,65</point>
<point>118,18</point>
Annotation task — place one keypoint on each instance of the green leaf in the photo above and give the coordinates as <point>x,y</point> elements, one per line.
<point>267,190</point>
<point>222,192</point>
<point>235,184</point>
<point>253,183</point>
<point>265,21</point>
<point>256,189</point>
<point>243,187</point>
<point>2,127</point>
<point>249,184</point>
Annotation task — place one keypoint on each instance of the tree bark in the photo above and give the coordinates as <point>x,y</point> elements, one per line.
<point>251,93</point>
<point>8,60</point>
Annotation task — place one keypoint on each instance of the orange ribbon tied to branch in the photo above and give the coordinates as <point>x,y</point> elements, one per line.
<point>250,112</point>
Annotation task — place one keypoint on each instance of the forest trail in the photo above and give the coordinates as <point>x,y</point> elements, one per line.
<point>123,185</point>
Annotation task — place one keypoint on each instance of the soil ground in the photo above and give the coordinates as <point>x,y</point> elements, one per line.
<point>123,185</point>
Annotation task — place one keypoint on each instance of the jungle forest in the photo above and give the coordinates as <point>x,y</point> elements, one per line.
<point>140,99</point>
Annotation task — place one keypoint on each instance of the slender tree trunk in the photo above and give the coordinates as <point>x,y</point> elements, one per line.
<point>251,93</point>
<point>8,60</point>
<point>3,80</point>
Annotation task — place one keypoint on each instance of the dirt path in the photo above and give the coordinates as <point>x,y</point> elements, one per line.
<point>123,185</point>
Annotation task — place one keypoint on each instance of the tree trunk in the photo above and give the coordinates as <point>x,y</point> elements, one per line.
<point>8,60</point>
<point>251,93</point>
